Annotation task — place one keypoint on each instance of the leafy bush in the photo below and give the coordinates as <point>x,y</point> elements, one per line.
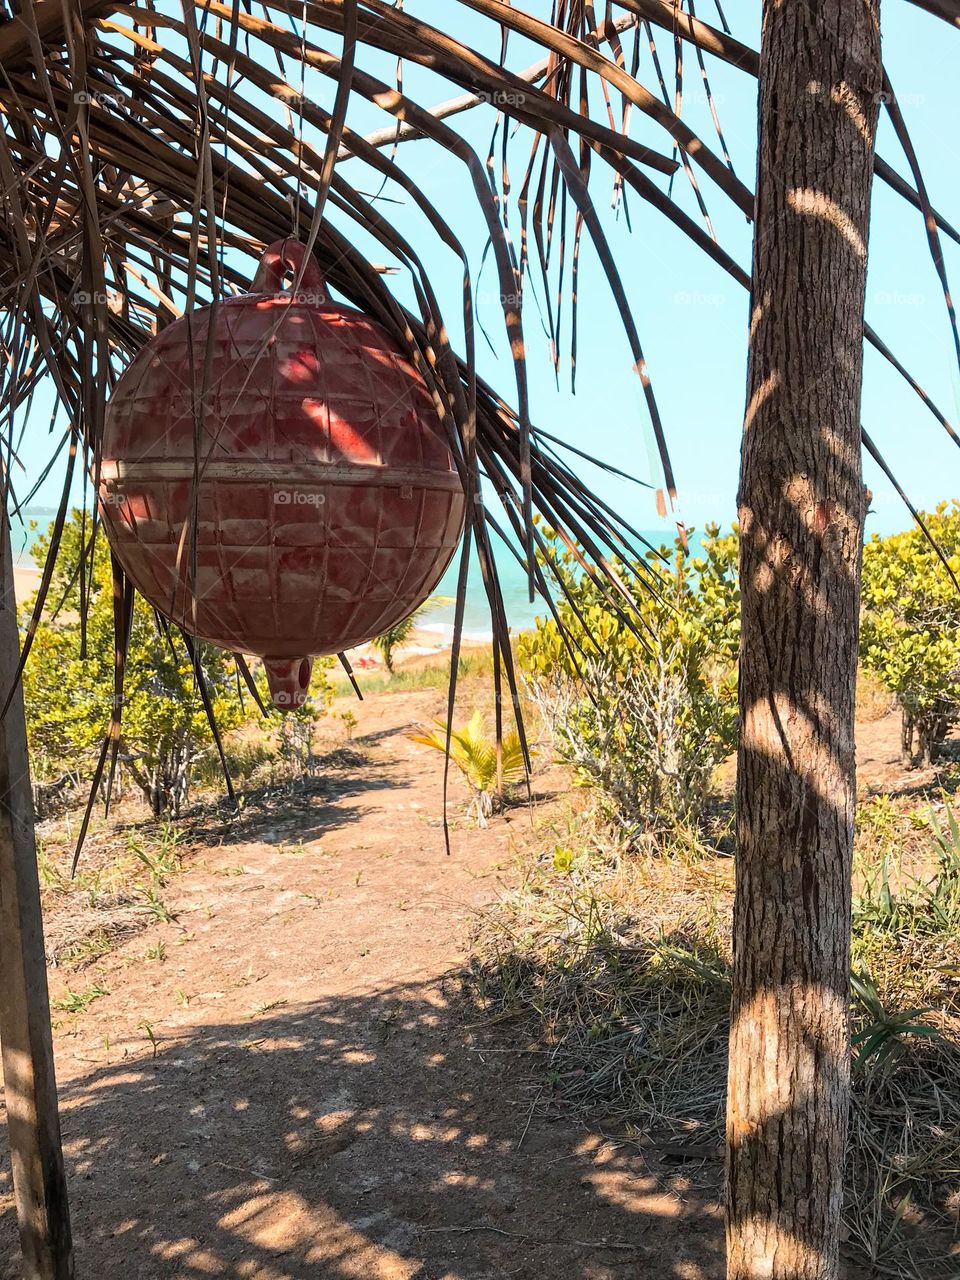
<point>244,759</point>
<point>906,908</point>
<point>910,634</point>
<point>432,674</point>
<point>644,708</point>
<point>68,693</point>
<point>278,751</point>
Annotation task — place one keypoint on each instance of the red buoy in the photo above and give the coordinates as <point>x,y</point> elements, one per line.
<point>275,477</point>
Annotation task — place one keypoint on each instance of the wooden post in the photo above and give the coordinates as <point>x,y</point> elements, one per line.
<point>26,1039</point>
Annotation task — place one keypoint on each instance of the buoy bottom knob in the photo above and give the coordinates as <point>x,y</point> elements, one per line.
<point>289,681</point>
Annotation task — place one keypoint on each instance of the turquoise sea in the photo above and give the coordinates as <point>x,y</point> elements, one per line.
<point>513,584</point>
<point>23,536</point>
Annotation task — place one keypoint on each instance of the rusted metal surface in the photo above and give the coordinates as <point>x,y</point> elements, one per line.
<point>298,498</point>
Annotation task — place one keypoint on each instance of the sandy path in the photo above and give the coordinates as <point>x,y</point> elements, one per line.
<point>317,1106</point>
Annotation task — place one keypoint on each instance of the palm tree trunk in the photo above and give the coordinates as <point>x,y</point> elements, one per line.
<point>802,507</point>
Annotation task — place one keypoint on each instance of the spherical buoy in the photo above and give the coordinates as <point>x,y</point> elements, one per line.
<point>275,476</point>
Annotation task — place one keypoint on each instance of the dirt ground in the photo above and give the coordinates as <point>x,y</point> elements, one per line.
<point>294,1088</point>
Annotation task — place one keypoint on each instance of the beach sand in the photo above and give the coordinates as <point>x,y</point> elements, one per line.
<point>25,582</point>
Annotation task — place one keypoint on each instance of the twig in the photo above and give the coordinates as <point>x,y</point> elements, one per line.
<point>248,1173</point>
<point>515,1235</point>
<point>526,1127</point>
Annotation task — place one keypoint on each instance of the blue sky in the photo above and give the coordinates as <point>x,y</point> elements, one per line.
<point>691,316</point>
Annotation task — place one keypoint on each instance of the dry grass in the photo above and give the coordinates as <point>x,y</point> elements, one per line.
<point>620,968</point>
<point>874,701</point>
<point>421,672</point>
<point>117,891</point>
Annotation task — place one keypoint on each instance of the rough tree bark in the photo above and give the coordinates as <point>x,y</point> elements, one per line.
<point>802,507</point>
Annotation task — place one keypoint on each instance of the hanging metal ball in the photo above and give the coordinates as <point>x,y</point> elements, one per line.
<point>276,479</point>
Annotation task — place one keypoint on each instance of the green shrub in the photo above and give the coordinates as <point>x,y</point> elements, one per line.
<point>244,758</point>
<point>431,675</point>
<point>68,693</point>
<point>643,707</point>
<point>910,634</point>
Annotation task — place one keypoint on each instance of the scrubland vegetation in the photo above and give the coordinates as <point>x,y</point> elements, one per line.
<point>613,953</point>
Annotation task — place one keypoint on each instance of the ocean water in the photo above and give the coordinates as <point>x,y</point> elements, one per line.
<point>440,619</point>
<point>513,586</point>
<point>23,535</point>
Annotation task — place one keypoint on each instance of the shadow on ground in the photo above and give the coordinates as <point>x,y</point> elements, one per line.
<point>305,808</point>
<point>367,1138</point>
